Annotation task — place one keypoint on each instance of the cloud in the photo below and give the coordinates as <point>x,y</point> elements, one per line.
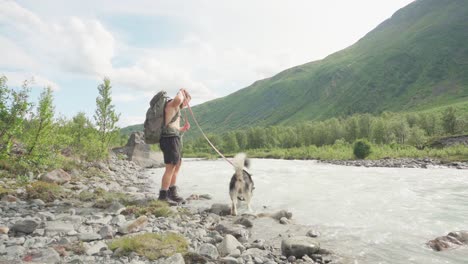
<point>16,79</point>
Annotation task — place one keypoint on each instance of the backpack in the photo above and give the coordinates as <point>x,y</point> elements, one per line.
<point>154,122</point>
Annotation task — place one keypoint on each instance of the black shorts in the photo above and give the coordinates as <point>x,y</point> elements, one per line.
<point>171,148</point>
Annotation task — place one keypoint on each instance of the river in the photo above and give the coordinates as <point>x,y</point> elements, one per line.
<point>367,215</point>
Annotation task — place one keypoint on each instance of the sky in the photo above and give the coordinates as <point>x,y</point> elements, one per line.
<point>210,47</point>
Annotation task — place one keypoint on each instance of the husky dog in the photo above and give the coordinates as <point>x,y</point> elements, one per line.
<point>241,185</point>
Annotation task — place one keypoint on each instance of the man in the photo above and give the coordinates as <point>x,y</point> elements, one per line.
<point>171,146</point>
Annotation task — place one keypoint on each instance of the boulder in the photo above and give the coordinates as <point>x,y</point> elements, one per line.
<point>26,226</point>
<point>139,152</point>
<point>208,250</point>
<point>57,176</point>
<point>134,226</point>
<point>228,245</point>
<point>299,246</point>
<point>220,209</point>
<point>450,241</point>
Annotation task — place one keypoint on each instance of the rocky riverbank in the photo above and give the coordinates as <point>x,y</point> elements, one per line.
<point>99,213</point>
<point>400,163</point>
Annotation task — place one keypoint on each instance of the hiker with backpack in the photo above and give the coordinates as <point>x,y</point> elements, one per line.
<point>162,125</point>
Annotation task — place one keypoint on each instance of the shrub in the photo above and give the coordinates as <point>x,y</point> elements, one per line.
<point>362,149</point>
<point>45,191</point>
<point>150,245</point>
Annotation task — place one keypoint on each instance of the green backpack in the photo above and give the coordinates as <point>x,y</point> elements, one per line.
<point>154,122</point>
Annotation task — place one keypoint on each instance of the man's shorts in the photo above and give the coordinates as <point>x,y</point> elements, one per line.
<point>171,148</point>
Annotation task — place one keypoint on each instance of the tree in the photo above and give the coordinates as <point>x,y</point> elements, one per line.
<point>105,115</point>
<point>41,126</point>
<point>14,106</point>
<point>449,120</point>
<point>361,149</point>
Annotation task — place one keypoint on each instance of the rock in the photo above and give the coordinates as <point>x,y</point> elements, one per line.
<point>10,198</point>
<point>229,260</point>
<point>106,232</point>
<point>36,242</point>
<point>208,250</point>
<point>174,259</point>
<point>14,251</point>
<point>280,214</point>
<point>54,227</point>
<point>46,216</point>
<point>26,226</point>
<point>220,209</point>
<point>258,243</point>
<point>4,230</point>
<point>313,233</point>
<point>139,152</point>
<point>238,231</point>
<point>57,176</point>
<point>115,208</point>
<point>45,255</point>
<point>284,221</point>
<point>38,202</point>
<point>244,221</point>
<point>299,246</point>
<point>96,248</point>
<point>452,240</point>
<point>118,220</point>
<point>228,245</point>
<point>87,237</point>
<point>134,226</point>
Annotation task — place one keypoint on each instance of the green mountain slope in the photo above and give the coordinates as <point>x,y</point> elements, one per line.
<point>417,59</point>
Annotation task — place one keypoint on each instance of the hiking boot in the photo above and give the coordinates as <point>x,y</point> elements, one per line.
<point>163,196</point>
<point>172,194</point>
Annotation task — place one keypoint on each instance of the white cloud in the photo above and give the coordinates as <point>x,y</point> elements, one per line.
<point>16,79</point>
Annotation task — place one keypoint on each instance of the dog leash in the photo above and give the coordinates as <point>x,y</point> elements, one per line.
<point>211,144</point>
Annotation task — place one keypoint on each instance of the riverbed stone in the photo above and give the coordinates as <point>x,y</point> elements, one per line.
<point>57,176</point>
<point>220,209</point>
<point>299,246</point>
<point>26,226</point>
<point>54,227</point>
<point>208,250</point>
<point>452,240</point>
<point>228,245</point>
<point>134,226</point>
<point>87,237</point>
<point>44,255</point>
<point>4,230</point>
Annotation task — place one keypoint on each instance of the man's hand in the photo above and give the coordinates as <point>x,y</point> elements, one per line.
<point>185,127</point>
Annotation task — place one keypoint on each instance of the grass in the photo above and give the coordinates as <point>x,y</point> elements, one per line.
<point>150,245</point>
<point>45,191</point>
<point>104,199</point>
<point>156,208</point>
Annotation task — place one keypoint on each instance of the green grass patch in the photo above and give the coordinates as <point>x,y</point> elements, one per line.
<point>150,245</point>
<point>45,191</point>
<point>104,199</point>
<point>156,208</point>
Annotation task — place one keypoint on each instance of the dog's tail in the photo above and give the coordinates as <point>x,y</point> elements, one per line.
<point>240,160</point>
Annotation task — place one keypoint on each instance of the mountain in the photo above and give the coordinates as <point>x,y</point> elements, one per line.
<point>417,59</point>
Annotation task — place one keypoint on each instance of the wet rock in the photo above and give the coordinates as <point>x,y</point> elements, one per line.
<point>299,246</point>
<point>284,221</point>
<point>208,250</point>
<point>228,245</point>
<point>134,226</point>
<point>26,226</point>
<point>313,233</point>
<point>220,209</point>
<point>238,231</point>
<point>57,176</point>
<point>280,214</point>
<point>450,241</point>
<point>245,221</point>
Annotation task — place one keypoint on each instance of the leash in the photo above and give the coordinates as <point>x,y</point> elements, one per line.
<point>203,133</point>
<point>211,144</point>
